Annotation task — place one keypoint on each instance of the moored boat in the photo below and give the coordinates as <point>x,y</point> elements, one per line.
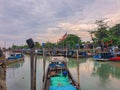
<point>15,57</point>
<point>103,56</point>
<point>58,77</point>
<point>117,58</point>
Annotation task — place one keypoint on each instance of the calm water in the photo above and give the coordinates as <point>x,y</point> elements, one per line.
<point>93,75</point>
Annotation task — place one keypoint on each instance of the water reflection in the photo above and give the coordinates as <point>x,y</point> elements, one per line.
<point>16,64</point>
<point>72,62</point>
<point>96,75</point>
<point>102,70</point>
<point>107,69</point>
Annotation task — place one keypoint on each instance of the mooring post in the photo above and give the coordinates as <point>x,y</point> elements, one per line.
<point>32,69</point>
<point>35,69</point>
<point>32,62</point>
<point>5,61</point>
<point>44,61</point>
<point>78,72</point>
<point>43,64</point>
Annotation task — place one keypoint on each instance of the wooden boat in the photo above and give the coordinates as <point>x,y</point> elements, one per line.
<point>15,57</point>
<point>117,58</point>
<point>103,56</point>
<point>58,77</point>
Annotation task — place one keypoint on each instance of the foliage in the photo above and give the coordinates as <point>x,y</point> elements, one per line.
<point>70,41</point>
<point>102,31</point>
<point>20,47</point>
<point>37,45</point>
<point>106,34</point>
<point>50,45</point>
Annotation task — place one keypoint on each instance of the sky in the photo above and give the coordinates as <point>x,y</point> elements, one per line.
<point>49,20</point>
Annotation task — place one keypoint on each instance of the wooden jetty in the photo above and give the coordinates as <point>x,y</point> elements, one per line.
<point>58,75</point>
<point>64,52</point>
<point>2,79</point>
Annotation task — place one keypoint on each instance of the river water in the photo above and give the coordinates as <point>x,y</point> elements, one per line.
<point>93,75</point>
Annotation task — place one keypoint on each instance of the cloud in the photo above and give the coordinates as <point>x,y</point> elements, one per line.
<point>45,20</point>
<point>77,26</point>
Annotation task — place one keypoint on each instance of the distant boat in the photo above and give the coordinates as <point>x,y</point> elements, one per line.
<point>58,76</point>
<point>117,58</point>
<point>102,56</point>
<point>15,57</point>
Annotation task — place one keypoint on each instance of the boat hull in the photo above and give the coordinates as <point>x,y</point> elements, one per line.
<point>14,60</point>
<point>115,59</point>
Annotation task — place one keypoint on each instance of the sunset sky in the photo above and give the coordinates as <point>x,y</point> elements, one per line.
<point>49,20</point>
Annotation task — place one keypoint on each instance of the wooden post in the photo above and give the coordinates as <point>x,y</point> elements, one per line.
<point>35,69</point>
<point>3,79</point>
<point>32,69</point>
<point>5,61</point>
<point>66,52</point>
<point>78,72</point>
<point>32,62</point>
<point>44,63</point>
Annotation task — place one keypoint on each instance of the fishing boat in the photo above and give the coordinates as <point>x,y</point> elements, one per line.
<point>117,58</point>
<point>15,57</point>
<point>58,76</point>
<point>102,56</point>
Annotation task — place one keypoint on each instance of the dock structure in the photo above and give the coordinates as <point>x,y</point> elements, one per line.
<point>2,61</point>
<point>2,57</point>
<point>2,79</point>
<point>64,52</point>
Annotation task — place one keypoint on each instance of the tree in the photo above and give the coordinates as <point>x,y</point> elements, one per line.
<point>37,45</point>
<point>70,40</point>
<point>50,45</point>
<point>106,34</point>
<point>115,34</point>
<point>102,31</point>
<point>115,30</point>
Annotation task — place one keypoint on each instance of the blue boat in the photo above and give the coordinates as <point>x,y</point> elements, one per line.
<point>58,76</point>
<point>15,57</point>
<point>102,56</point>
